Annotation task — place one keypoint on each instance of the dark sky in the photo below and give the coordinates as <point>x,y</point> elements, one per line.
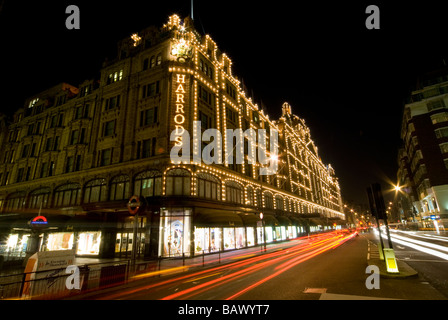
<point>347,82</point>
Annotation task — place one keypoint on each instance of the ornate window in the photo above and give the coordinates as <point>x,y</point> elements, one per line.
<point>119,188</point>
<point>67,195</point>
<point>39,198</point>
<point>234,192</point>
<point>279,203</point>
<point>268,200</point>
<point>178,183</point>
<point>209,186</point>
<point>95,191</point>
<point>148,184</point>
<point>16,200</point>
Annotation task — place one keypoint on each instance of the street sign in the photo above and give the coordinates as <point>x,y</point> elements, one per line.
<point>38,222</point>
<point>134,204</point>
<point>433,217</point>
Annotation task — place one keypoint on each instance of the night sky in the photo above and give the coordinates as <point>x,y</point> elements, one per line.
<point>348,83</point>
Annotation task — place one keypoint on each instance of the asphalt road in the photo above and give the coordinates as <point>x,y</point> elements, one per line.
<point>331,266</point>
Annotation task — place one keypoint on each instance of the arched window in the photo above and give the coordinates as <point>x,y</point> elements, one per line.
<point>148,183</point>
<point>234,192</point>
<point>67,195</point>
<point>159,59</point>
<point>39,197</point>
<point>16,200</point>
<point>119,188</point>
<point>152,62</point>
<point>95,191</point>
<point>279,203</point>
<point>178,183</point>
<point>268,200</point>
<point>209,186</point>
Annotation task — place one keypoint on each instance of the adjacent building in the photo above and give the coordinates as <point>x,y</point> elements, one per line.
<point>76,155</point>
<point>423,160</point>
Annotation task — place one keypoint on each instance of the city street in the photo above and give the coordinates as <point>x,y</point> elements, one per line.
<point>328,266</point>
<point>426,252</point>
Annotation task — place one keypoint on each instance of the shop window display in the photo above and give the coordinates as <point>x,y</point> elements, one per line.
<point>60,241</point>
<point>175,232</point>
<point>89,243</point>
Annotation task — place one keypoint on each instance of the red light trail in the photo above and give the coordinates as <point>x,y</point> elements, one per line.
<point>281,259</point>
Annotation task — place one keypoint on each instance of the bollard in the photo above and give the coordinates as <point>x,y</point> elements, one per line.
<point>391,262</point>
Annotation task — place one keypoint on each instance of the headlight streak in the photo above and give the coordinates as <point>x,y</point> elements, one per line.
<point>418,245</point>
<point>424,236</point>
<point>423,243</point>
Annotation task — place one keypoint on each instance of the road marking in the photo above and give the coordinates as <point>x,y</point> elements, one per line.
<point>203,277</point>
<point>334,296</point>
<point>315,290</point>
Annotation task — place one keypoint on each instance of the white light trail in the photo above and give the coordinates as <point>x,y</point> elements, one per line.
<point>423,249</point>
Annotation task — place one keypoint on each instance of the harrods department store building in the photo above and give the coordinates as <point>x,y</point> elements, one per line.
<point>76,155</point>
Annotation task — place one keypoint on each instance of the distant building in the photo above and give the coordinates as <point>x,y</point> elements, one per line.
<point>423,160</point>
<point>77,154</point>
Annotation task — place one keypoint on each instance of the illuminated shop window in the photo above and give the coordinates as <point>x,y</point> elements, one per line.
<point>60,241</point>
<point>250,231</point>
<point>207,240</point>
<point>229,238</point>
<point>89,243</point>
<point>174,238</point>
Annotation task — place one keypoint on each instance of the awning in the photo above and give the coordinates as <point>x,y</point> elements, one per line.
<point>283,221</point>
<point>338,221</point>
<point>315,222</point>
<point>216,218</point>
<point>297,221</point>
<point>269,221</point>
<point>250,219</point>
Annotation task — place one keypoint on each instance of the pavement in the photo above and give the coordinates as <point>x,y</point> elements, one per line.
<point>373,258</point>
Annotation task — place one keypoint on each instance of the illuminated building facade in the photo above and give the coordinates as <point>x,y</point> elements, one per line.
<point>77,154</point>
<point>423,160</point>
